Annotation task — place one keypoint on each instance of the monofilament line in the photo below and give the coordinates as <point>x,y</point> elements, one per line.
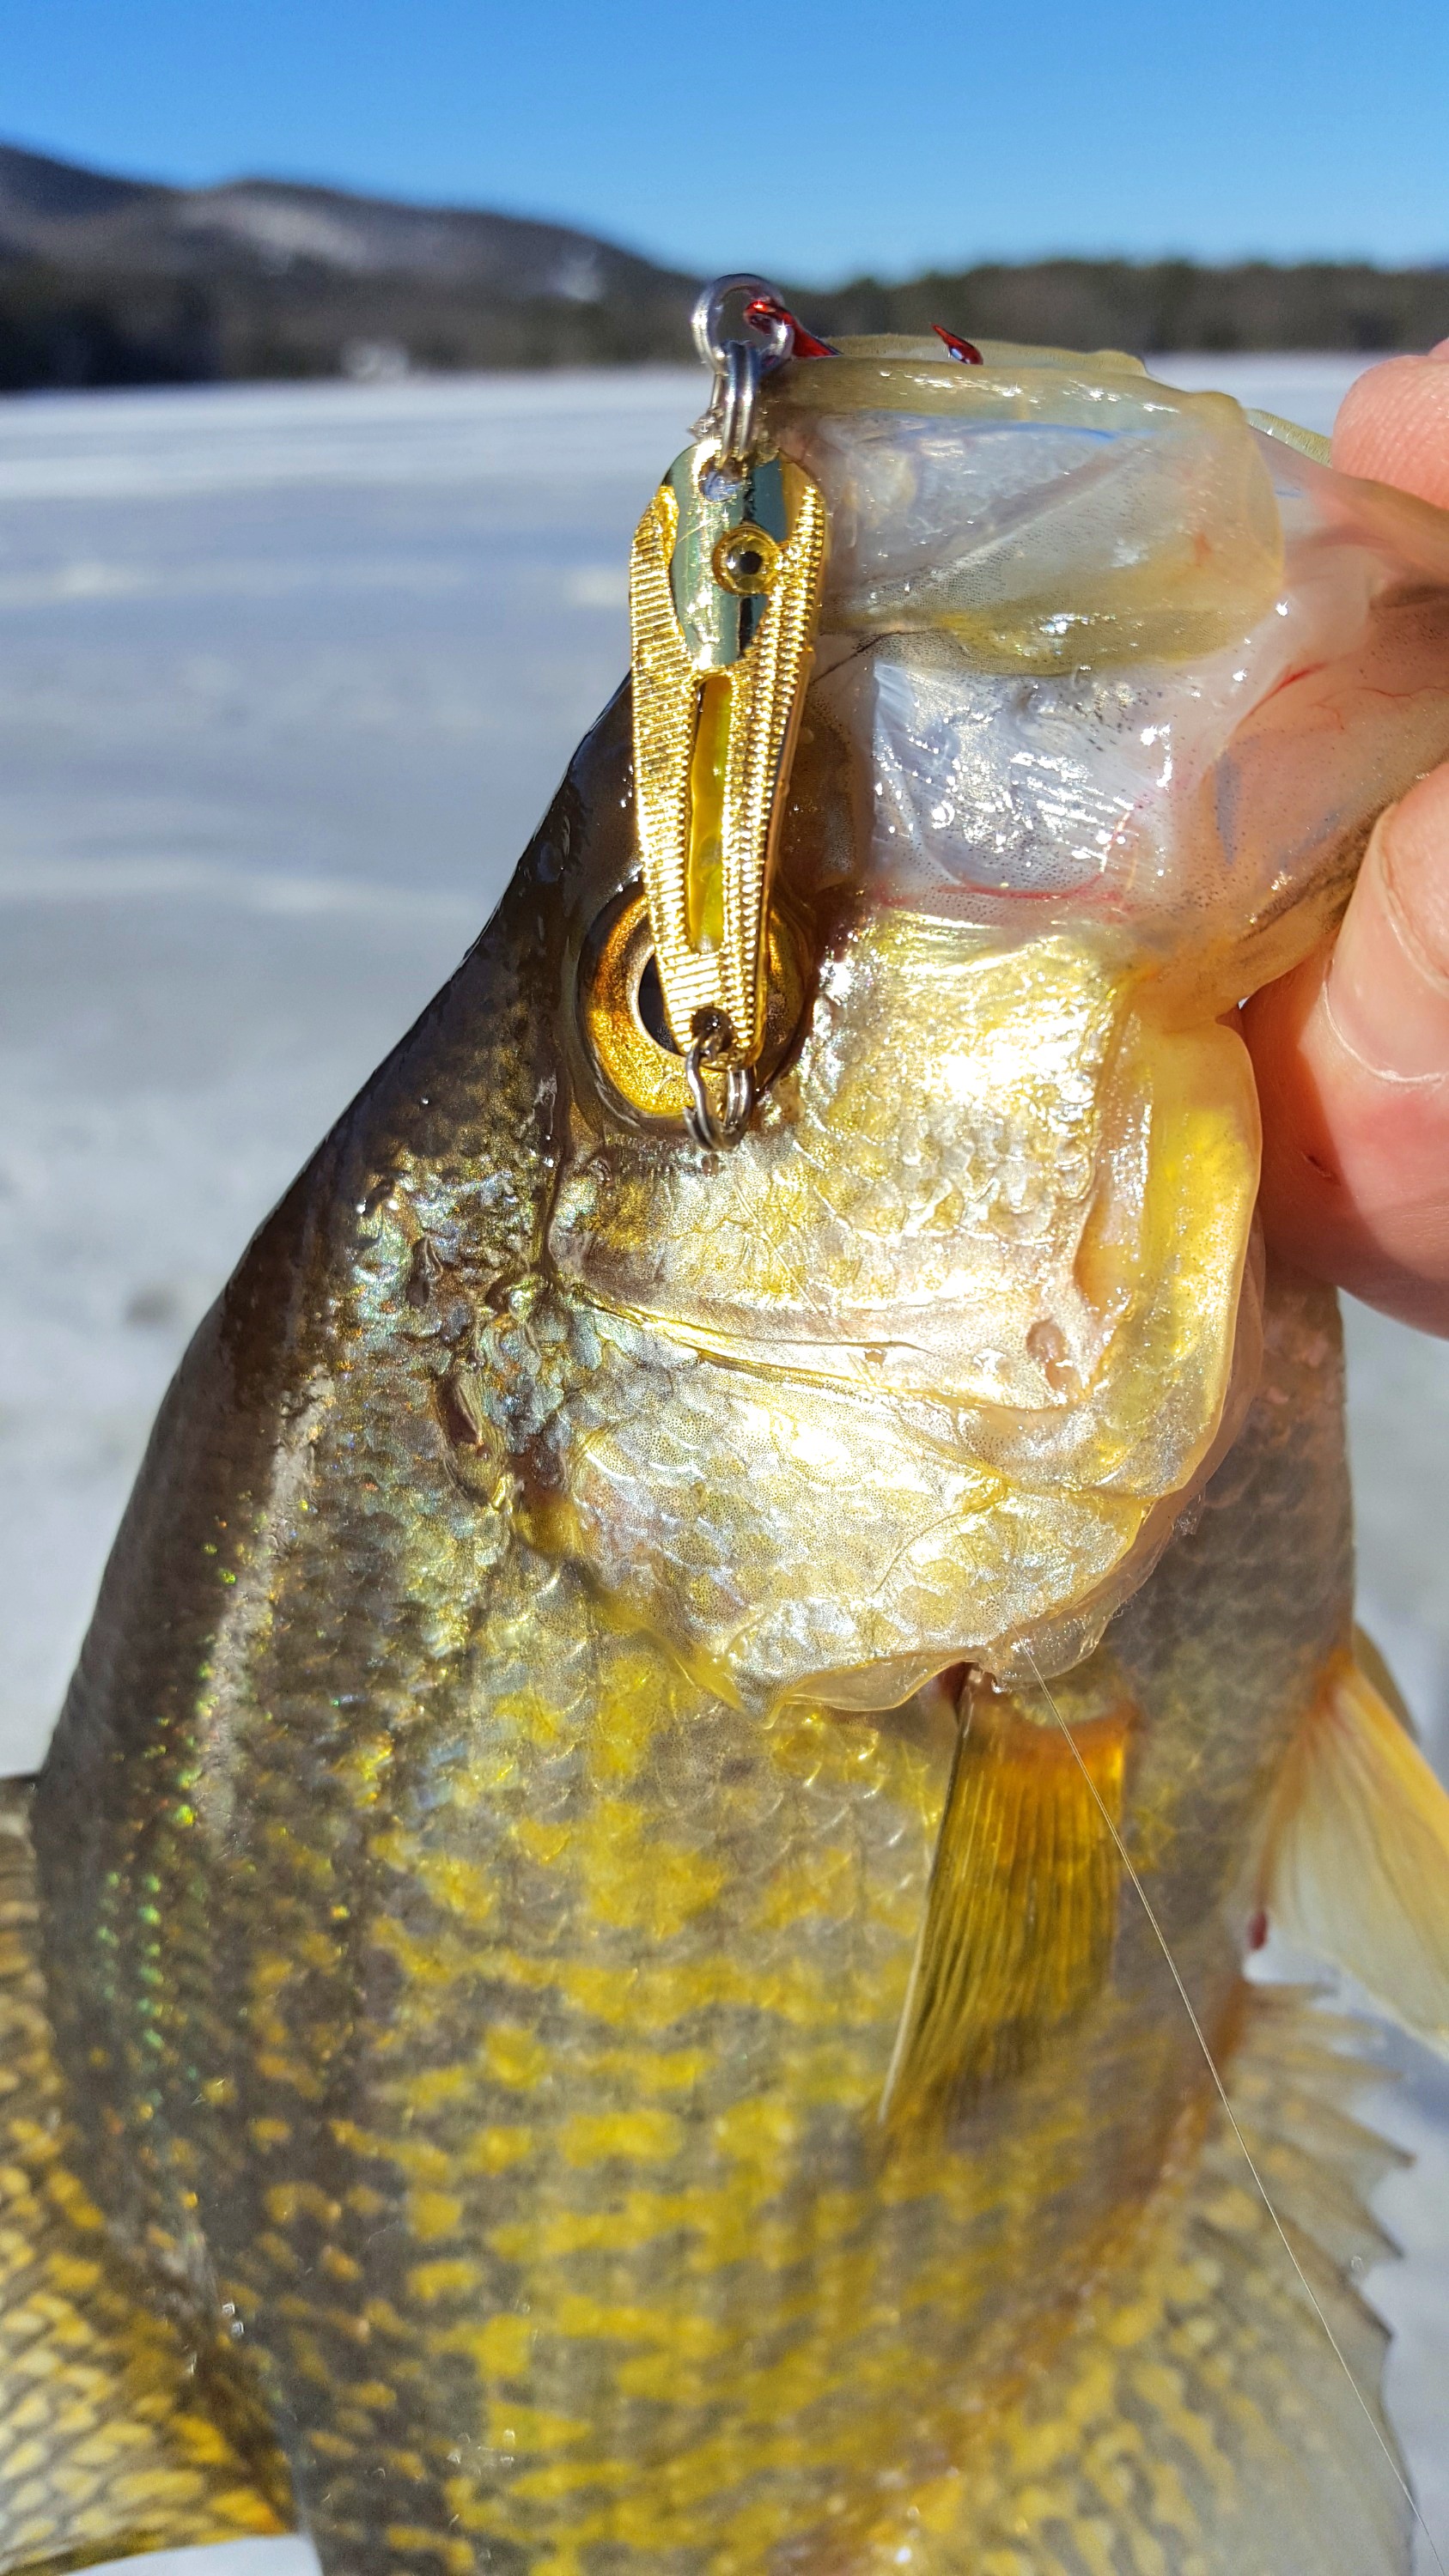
<point>1210,2062</point>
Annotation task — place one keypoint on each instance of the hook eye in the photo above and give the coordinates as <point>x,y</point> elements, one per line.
<point>769,329</point>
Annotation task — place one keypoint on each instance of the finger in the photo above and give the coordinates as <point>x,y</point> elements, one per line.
<point>1393,424</point>
<point>1352,1056</point>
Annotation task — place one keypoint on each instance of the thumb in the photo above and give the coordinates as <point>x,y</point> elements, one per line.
<point>1352,1054</point>
<point>1393,424</point>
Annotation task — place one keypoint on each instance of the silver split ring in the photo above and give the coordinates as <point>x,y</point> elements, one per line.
<point>774,335</point>
<point>740,365</point>
<point>708,1130</point>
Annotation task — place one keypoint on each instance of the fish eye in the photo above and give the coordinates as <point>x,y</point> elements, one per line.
<point>622,1014</point>
<point>649,1004</point>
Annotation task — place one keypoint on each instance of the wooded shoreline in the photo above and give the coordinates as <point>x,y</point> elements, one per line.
<point>114,281</point>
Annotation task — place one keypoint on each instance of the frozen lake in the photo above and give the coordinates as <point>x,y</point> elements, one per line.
<point>286,678</point>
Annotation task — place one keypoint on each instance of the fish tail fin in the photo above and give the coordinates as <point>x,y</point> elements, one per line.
<point>1356,1860</point>
<point>1197,2416</point>
<point>107,2445</point>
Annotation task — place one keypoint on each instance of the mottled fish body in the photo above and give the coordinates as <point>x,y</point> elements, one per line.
<point>580,2009</point>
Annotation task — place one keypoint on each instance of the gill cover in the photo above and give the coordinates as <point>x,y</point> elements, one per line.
<point>1107,689</point>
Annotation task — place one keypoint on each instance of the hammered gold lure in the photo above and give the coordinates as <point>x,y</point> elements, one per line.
<point>724,593</point>
<point>746,1600</point>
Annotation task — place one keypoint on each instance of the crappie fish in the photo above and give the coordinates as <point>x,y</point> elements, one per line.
<point>580,1996</point>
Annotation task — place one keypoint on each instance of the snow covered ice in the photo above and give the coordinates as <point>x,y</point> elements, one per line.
<point>287,676</point>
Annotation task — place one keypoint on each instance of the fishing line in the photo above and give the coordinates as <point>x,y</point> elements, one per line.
<point>1210,2062</point>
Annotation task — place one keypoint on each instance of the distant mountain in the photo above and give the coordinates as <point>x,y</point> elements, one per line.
<point>107,281</point>
<point>76,218</point>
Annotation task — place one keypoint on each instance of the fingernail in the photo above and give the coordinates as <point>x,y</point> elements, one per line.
<point>1440,350</point>
<point>1386,993</point>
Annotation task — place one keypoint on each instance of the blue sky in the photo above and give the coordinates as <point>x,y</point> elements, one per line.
<point>810,140</point>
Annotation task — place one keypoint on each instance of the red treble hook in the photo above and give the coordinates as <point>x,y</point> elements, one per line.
<point>768,308</point>
<point>965,350</point>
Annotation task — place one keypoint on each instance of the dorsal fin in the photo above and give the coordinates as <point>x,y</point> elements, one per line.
<point>1356,1859</point>
<point>1022,1904</point>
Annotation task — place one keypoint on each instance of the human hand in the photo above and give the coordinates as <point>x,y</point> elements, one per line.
<point>1352,1050</point>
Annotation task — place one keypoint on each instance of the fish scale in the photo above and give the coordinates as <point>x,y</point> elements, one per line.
<point>596,2034</point>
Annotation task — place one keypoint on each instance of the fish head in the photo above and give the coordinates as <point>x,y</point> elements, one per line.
<point>1110,686</point>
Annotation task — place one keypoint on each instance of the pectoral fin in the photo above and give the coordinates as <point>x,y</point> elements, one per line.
<point>1022,1906</point>
<point>1356,1862</point>
<point>107,2443</point>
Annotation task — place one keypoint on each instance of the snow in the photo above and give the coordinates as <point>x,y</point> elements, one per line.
<point>286,677</point>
